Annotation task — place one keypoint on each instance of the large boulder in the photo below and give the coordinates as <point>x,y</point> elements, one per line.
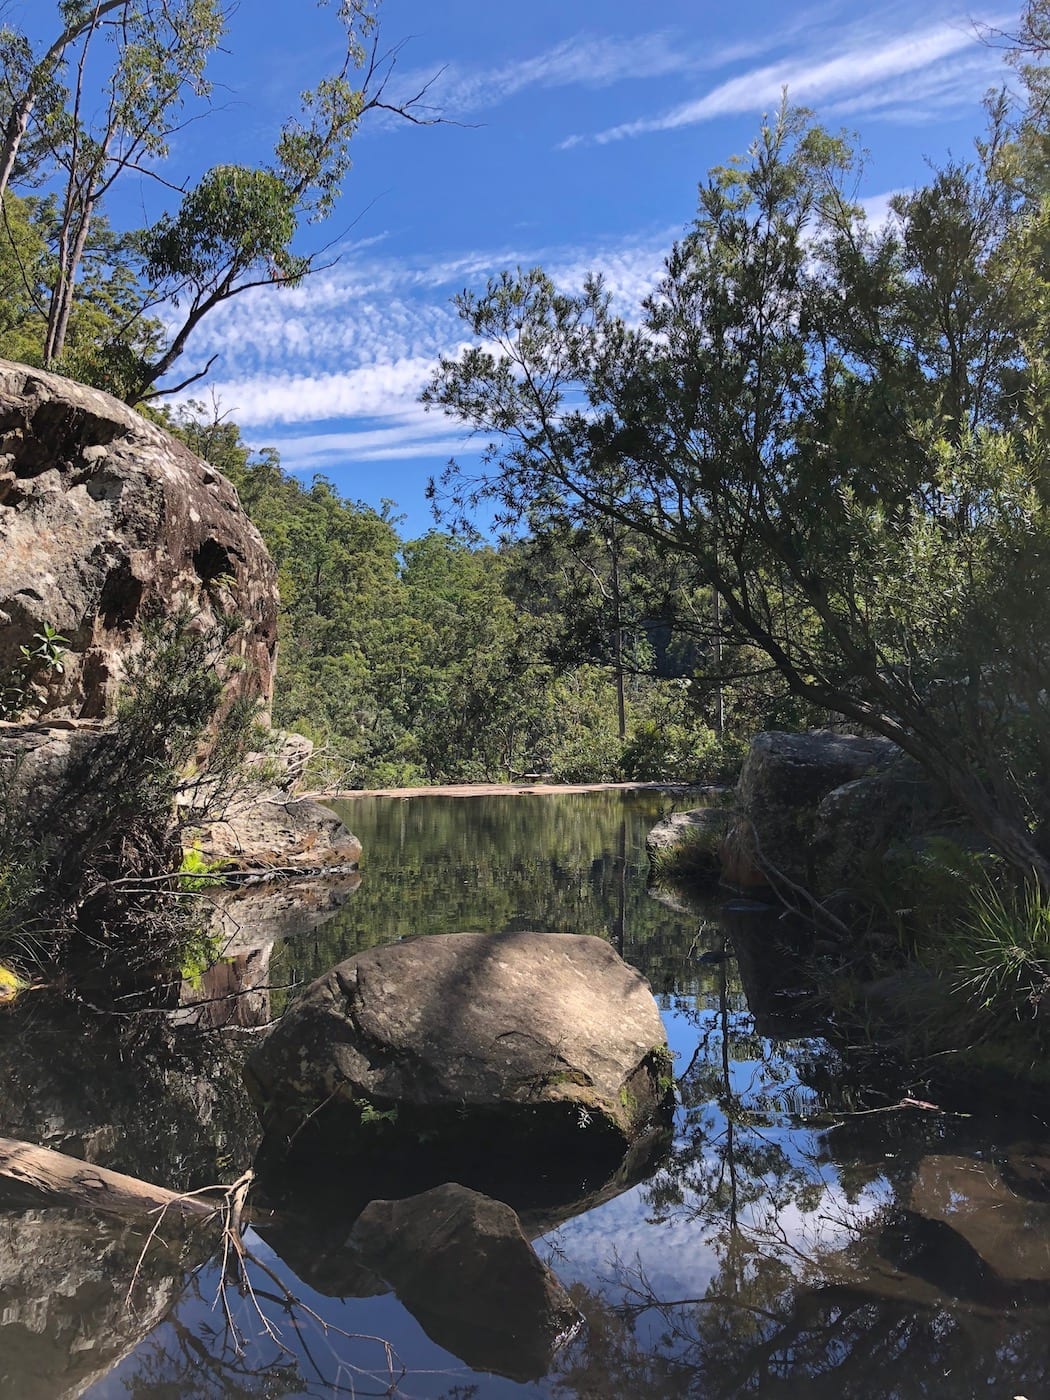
<point>510,1040</point>
<point>106,520</point>
<point>783,781</point>
<point>462,1265</point>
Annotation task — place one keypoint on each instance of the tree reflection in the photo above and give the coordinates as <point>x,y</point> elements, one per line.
<point>819,1283</point>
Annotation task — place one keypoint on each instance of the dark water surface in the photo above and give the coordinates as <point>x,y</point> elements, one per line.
<point>801,1236</point>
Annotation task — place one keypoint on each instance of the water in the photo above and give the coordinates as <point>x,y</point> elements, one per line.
<point>792,1241</point>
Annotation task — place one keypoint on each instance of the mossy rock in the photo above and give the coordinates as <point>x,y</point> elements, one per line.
<point>541,1042</point>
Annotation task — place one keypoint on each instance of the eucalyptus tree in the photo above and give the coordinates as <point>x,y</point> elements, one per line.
<point>115,80</point>
<point>101,100</point>
<point>838,426</point>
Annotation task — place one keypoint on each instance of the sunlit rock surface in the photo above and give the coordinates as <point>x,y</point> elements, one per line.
<point>106,520</point>
<point>523,1036</point>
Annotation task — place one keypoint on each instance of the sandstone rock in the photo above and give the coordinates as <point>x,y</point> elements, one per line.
<point>856,823</point>
<point>104,520</point>
<point>461,1264</point>
<point>1010,1233</point>
<point>783,780</point>
<point>271,828</point>
<point>285,761</point>
<point>507,1038</point>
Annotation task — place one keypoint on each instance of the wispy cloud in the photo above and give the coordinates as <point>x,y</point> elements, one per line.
<point>943,63</point>
<point>586,60</point>
<point>366,336</point>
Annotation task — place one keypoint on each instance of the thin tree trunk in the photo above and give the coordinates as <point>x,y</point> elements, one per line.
<point>18,120</point>
<point>65,305</point>
<point>621,708</point>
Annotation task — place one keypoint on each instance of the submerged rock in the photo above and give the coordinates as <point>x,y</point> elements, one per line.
<point>461,1264</point>
<point>1009,1232</point>
<point>501,1039</point>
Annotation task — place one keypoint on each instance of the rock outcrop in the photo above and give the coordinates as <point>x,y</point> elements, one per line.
<point>277,830</point>
<point>106,520</point>
<point>461,1264</point>
<point>784,780</point>
<point>510,1039</point>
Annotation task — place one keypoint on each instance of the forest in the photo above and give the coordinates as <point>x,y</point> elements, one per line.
<point>796,488</point>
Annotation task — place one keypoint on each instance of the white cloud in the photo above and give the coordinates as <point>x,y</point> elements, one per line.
<point>586,60</point>
<point>384,389</point>
<point>365,336</point>
<point>943,62</point>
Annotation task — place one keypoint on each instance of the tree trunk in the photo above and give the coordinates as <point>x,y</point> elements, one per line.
<point>67,1180</point>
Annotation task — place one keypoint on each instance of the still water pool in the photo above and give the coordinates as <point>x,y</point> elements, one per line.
<point>801,1236</point>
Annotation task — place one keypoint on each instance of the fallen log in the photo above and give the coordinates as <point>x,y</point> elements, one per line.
<point>70,1181</point>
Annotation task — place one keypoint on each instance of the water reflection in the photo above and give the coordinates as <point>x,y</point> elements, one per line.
<point>793,1242</point>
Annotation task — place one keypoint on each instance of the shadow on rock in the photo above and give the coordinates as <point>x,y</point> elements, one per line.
<point>317,1211</point>
<point>462,1265</point>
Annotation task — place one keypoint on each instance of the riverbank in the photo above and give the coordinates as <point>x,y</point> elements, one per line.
<point>513,790</point>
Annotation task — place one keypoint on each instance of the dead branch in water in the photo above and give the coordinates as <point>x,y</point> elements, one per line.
<point>70,1181</point>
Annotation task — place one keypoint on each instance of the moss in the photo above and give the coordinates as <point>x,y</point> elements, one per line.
<point>660,1064</point>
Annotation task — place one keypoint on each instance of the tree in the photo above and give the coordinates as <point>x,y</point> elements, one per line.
<point>156,56</point>
<point>236,228</point>
<point>837,426</point>
<point>27,78</point>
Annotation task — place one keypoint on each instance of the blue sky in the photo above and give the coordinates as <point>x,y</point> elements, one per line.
<point>585,129</point>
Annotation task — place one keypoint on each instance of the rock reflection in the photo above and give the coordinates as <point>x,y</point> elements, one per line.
<point>79,1293</point>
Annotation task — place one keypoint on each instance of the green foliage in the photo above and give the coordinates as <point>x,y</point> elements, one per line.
<point>839,429</point>
<point>437,660</point>
<point>197,951</point>
<point>26,686</point>
<point>998,955</point>
<point>377,1118</point>
<point>80,114</point>
<point>196,872</point>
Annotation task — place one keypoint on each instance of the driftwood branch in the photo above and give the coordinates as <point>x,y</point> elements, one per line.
<point>69,1181</point>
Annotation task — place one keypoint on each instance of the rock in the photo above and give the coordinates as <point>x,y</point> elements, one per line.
<point>686,846</point>
<point>106,520</point>
<point>253,916</point>
<point>782,783</point>
<point>857,822</point>
<point>47,777</point>
<point>461,1264</point>
<point>285,760</point>
<point>538,1040</point>
<point>1008,1232</point>
<point>271,828</point>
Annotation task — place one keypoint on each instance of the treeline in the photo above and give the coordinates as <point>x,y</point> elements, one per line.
<point>446,659</point>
